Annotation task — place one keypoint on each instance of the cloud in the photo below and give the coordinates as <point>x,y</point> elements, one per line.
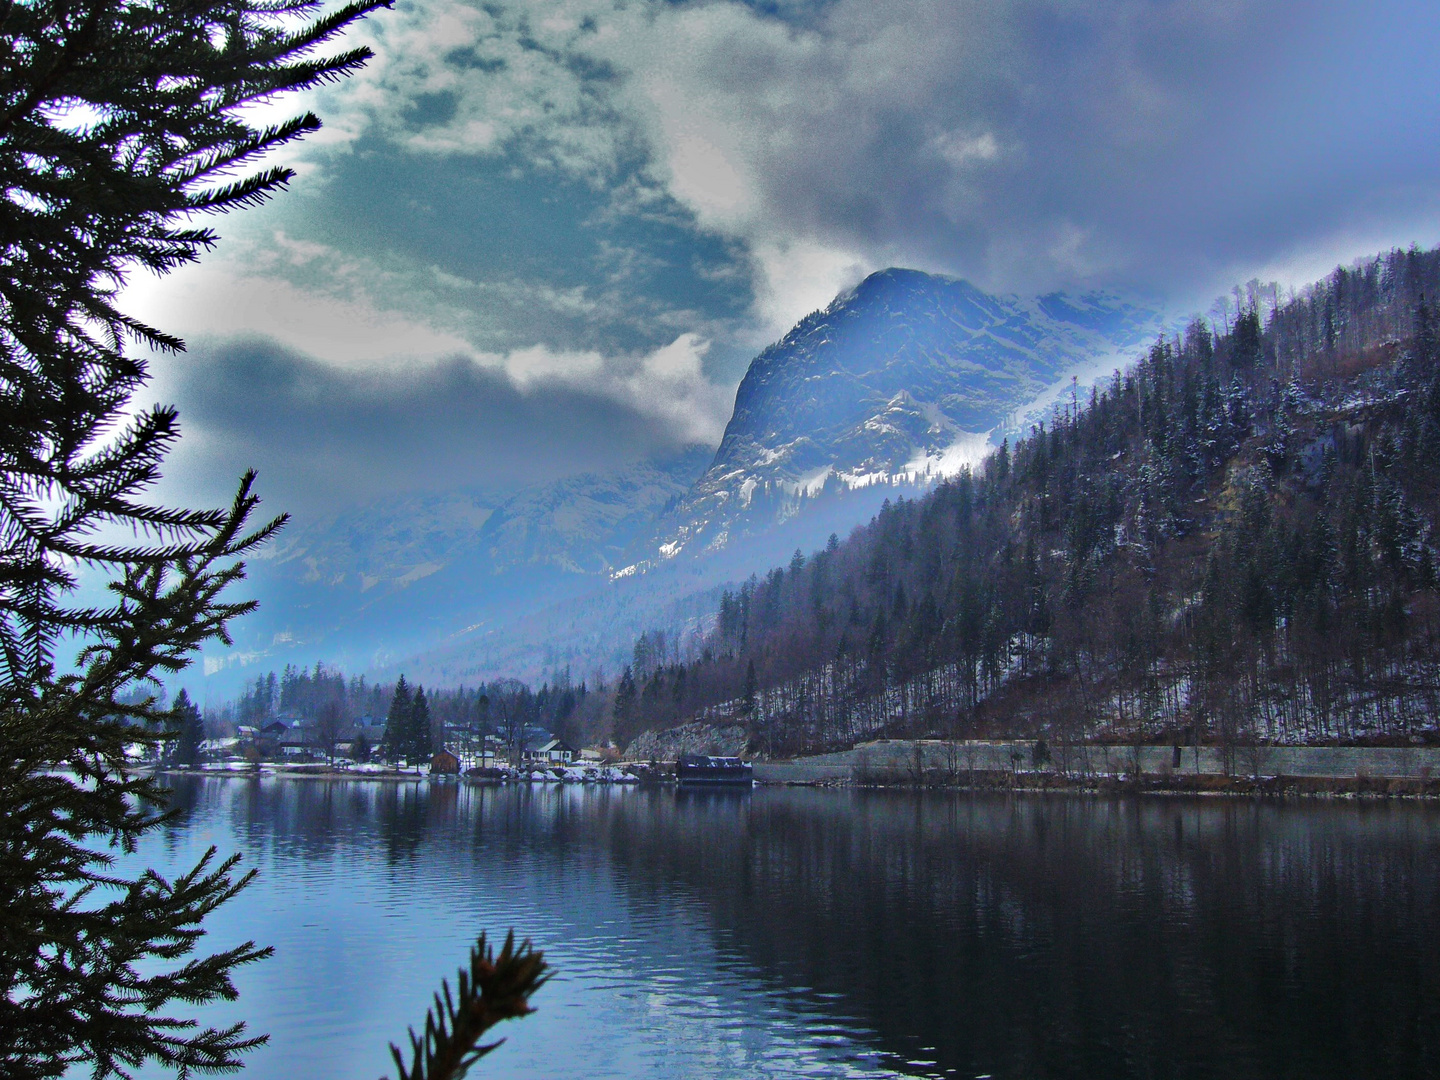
<point>354,315</point>
<point>460,78</point>
<point>337,320</point>
<point>610,205</point>
<point>1023,143</point>
<point>667,386</point>
<point>793,277</point>
<point>322,436</point>
<point>343,376</point>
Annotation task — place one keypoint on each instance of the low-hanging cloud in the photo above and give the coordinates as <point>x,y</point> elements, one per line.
<point>323,436</point>
<point>321,363</point>
<point>667,386</point>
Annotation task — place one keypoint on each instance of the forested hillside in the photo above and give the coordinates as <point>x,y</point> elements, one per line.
<point>1232,540</point>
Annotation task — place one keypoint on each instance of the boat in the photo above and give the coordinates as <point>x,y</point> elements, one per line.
<point>704,769</point>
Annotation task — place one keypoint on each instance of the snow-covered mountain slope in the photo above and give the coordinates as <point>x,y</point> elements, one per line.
<point>372,584</point>
<point>903,378</point>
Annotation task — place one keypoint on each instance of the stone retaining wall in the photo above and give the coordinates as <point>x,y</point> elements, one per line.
<point>899,760</point>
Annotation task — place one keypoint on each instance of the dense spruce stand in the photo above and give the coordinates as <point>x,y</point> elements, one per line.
<point>121,124</point>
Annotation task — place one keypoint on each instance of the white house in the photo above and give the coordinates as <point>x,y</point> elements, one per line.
<point>551,751</point>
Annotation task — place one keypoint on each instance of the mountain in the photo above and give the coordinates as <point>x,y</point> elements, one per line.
<point>897,382</point>
<point>900,379</point>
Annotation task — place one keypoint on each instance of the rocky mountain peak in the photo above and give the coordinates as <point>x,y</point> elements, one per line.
<point>899,380</point>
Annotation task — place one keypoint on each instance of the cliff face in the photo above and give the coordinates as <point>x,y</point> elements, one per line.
<point>726,740</point>
<point>900,379</point>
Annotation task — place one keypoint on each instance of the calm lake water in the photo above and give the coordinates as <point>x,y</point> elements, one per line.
<point>795,932</point>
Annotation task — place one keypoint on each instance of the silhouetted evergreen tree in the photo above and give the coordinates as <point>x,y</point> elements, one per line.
<point>95,966</point>
<point>420,744</point>
<point>398,740</point>
<point>188,728</point>
<point>625,706</point>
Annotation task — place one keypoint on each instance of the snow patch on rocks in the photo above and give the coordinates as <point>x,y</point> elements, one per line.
<point>695,737</point>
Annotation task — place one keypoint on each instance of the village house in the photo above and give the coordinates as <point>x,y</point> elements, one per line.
<point>298,739</point>
<point>490,751</point>
<point>549,751</point>
<point>262,740</point>
<point>366,728</point>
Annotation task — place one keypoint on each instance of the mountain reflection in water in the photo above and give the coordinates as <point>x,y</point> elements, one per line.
<point>837,933</point>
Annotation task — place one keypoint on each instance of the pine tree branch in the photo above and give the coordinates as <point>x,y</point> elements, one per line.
<point>495,989</point>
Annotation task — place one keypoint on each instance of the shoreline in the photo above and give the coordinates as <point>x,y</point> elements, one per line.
<point>322,772</point>
<point>1369,788</point>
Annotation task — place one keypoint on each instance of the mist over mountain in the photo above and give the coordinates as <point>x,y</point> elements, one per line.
<point>375,583</point>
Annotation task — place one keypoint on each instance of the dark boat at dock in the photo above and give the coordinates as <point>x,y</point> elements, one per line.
<point>702,769</point>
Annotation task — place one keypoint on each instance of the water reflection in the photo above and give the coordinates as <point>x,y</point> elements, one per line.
<point>1063,937</point>
<point>795,932</point>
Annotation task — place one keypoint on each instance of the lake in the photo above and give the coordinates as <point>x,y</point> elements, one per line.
<point>802,932</point>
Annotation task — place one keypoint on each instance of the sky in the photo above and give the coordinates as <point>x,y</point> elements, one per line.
<point>539,238</point>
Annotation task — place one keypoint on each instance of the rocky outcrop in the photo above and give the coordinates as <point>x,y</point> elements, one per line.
<point>692,738</point>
